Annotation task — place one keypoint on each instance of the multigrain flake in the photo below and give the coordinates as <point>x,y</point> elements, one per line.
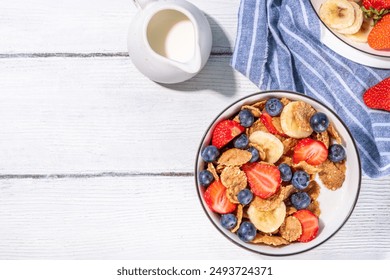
<point>254,110</point>
<point>274,201</point>
<point>289,145</point>
<point>239,213</point>
<point>270,240</point>
<point>331,176</point>
<point>234,157</point>
<point>314,207</point>
<point>260,104</point>
<point>277,125</point>
<point>323,137</point>
<point>302,114</point>
<point>211,168</point>
<point>234,179</point>
<point>313,190</point>
<point>333,132</point>
<point>256,126</point>
<point>290,210</point>
<point>291,229</point>
<point>310,169</point>
<point>262,153</point>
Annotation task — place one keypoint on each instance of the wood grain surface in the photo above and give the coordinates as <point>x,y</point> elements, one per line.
<point>97,161</point>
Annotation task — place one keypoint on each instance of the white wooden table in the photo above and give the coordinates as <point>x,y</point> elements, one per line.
<point>96,161</point>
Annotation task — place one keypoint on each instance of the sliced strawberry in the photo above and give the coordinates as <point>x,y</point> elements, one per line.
<point>312,151</point>
<point>216,199</point>
<point>309,223</point>
<point>378,97</point>
<point>264,179</point>
<point>266,119</point>
<point>225,131</point>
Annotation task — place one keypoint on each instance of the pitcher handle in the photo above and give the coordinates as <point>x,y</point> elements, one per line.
<point>141,4</point>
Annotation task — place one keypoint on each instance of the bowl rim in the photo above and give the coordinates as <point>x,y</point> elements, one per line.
<point>345,42</point>
<point>200,195</point>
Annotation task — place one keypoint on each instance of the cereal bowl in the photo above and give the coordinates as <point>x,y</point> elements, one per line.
<point>336,205</point>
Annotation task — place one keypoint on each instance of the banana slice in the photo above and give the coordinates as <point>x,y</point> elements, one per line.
<point>267,221</point>
<point>269,143</point>
<point>295,119</point>
<point>362,35</point>
<point>355,27</point>
<point>337,14</point>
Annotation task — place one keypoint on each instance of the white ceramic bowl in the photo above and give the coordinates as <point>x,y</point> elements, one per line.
<point>336,206</point>
<point>358,52</point>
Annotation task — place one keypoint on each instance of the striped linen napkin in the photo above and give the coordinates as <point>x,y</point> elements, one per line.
<point>278,47</point>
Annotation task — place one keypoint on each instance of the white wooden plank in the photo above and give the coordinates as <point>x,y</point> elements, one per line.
<point>152,218</point>
<point>91,26</point>
<point>75,115</point>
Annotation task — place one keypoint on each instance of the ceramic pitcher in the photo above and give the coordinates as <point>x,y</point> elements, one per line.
<point>169,41</point>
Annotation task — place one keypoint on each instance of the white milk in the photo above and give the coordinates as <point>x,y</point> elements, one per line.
<point>171,34</point>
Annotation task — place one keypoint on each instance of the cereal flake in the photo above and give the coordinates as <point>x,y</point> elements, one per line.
<point>234,157</point>
<point>332,177</point>
<point>239,218</point>
<point>313,190</point>
<point>291,229</point>
<point>274,201</point>
<point>302,114</point>
<point>314,207</point>
<point>234,180</point>
<point>310,169</point>
<point>270,240</point>
<point>323,137</point>
<point>289,145</point>
<point>255,111</point>
<point>333,132</point>
<point>211,168</point>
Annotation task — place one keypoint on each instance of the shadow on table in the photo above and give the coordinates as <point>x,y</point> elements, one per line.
<point>217,75</point>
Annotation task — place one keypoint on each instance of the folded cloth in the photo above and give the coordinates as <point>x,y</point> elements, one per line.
<point>278,47</point>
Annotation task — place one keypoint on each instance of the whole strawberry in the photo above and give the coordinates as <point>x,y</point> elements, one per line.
<point>378,97</point>
<point>376,9</point>
<point>379,37</point>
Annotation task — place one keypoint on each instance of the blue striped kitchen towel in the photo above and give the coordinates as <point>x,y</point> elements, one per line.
<point>278,47</point>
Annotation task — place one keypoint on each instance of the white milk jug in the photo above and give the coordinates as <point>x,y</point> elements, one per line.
<point>169,41</point>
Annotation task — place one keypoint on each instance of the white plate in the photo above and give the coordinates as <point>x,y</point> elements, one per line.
<point>357,52</point>
<point>336,206</point>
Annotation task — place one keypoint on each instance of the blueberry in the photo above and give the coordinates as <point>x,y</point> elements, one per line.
<point>300,180</point>
<point>246,118</point>
<point>228,221</point>
<point>319,122</point>
<point>255,154</point>
<point>273,107</point>
<point>300,200</point>
<point>336,153</point>
<point>205,178</point>
<point>210,153</point>
<point>245,196</point>
<point>241,142</point>
<point>285,172</point>
<point>246,232</point>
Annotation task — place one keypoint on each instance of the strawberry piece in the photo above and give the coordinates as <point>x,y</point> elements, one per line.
<point>312,151</point>
<point>375,9</point>
<point>216,199</point>
<point>376,4</point>
<point>309,223</point>
<point>264,179</point>
<point>225,131</point>
<point>266,119</point>
<point>378,97</point>
<point>378,38</point>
